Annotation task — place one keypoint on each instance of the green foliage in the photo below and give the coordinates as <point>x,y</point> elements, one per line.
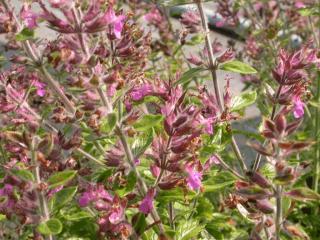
<point>61,178</point>
<point>189,75</point>
<point>237,67</point>
<point>25,34</point>
<point>51,227</point>
<point>62,197</point>
<point>25,175</point>
<point>242,101</point>
<point>148,121</point>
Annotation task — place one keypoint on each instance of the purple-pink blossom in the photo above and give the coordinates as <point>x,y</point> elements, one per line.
<point>116,21</point>
<point>147,203</point>
<point>29,18</point>
<point>298,107</point>
<point>194,178</point>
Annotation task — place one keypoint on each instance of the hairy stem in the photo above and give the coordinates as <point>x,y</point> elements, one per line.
<point>213,69</point>
<point>278,220</point>
<point>273,113</point>
<point>44,210</point>
<point>317,145</point>
<point>141,184</point>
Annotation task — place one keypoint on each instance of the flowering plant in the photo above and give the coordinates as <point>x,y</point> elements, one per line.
<point>108,130</point>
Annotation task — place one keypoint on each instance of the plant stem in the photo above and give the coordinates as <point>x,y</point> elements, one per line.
<point>273,113</point>
<point>317,145</point>
<point>213,70</point>
<point>141,184</point>
<point>44,210</point>
<point>278,220</point>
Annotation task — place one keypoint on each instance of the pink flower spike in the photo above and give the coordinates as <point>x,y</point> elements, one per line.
<point>298,108</point>
<point>194,178</point>
<point>147,203</point>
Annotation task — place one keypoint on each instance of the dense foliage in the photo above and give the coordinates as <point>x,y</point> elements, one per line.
<point>114,129</point>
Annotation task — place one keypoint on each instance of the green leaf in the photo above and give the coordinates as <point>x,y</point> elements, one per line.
<point>205,209</point>
<point>131,183</point>
<point>303,194</point>
<point>141,144</point>
<point>2,217</point>
<point>62,197</point>
<point>174,195</point>
<point>109,123</point>
<point>237,67</point>
<point>188,230</point>
<point>51,227</point>
<point>244,100</point>
<point>148,121</point>
<point>139,223</point>
<point>23,174</point>
<point>307,12</point>
<point>78,216</point>
<point>189,75</point>
<point>61,178</point>
<point>25,34</point>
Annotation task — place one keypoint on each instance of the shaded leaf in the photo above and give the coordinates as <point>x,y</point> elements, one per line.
<point>23,174</point>
<point>61,178</point>
<point>25,34</point>
<point>189,75</point>
<point>148,121</point>
<point>62,197</point>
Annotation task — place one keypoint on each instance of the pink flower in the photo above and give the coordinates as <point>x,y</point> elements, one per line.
<point>155,170</point>
<point>60,3</point>
<point>153,17</point>
<point>194,178</point>
<point>116,21</point>
<point>299,4</point>
<point>220,23</point>
<point>147,203</point>
<point>40,88</point>
<point>139,93</point>
<point>94,193</point>
<point>298,108</point>
<point>29,18</point>
<point>117,215</point>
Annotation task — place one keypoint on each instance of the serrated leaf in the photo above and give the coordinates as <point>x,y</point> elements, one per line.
<point>61,178</point>
<point>188,230</point>
<point>25,34</point>
<point>237,67</point>
<point>62,197</point>
<point>148,121</point>
<point>51,227</point>
<point>189,75</point>
<point>23,174</point>
<point>244,100</point>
